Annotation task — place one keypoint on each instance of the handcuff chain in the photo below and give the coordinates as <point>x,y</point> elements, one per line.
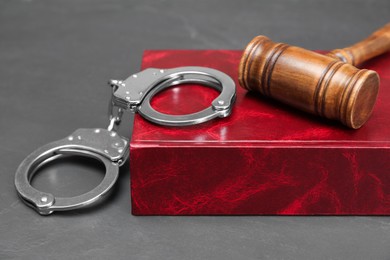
<point>115,113</point>
<point>106,145</point>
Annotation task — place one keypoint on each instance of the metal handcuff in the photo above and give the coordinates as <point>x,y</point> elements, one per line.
<point>106,145</point>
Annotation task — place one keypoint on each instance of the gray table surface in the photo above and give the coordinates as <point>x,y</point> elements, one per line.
<point>56,57</point>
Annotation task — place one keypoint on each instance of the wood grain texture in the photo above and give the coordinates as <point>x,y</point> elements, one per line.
<point>273,160</point>
<point>315,83</point>
<point>376,44</point>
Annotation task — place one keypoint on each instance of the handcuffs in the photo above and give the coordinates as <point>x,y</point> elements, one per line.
<point>106,145</point>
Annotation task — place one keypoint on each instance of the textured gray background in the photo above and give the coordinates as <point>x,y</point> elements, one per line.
<point>55,59</point>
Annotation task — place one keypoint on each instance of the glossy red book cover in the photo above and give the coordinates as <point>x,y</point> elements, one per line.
<point>264,159</point>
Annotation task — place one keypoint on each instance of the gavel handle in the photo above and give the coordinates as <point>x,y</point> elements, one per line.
<point>376,44</point>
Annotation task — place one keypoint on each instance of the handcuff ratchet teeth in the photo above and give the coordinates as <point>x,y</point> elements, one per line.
<point>106,145</point>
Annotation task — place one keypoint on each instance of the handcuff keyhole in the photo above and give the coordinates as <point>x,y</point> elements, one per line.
<point>184,99</point>
<point>69,176</point>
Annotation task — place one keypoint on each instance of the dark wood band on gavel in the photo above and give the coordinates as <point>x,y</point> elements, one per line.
<point>312,82</point>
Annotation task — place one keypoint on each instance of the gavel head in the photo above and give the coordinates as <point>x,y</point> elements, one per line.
<point>312,82</point>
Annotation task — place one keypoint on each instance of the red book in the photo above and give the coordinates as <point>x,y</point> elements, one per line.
<point>266,158</point>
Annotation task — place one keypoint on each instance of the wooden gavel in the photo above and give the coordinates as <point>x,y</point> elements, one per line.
<point>326,85</point>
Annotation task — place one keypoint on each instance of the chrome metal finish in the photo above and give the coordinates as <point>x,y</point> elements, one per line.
<point>136,91</point>
<point>101,144</point>
<point>105,145</point>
